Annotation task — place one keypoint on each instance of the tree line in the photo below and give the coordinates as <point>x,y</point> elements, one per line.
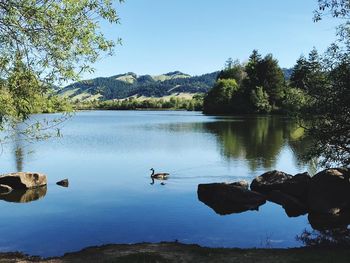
<point>258,86</point>
<point>174,103</point>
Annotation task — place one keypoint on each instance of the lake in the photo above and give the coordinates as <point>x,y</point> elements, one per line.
<point>107,156</point>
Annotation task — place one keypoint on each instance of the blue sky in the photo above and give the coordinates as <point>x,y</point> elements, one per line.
<point>197,36</point>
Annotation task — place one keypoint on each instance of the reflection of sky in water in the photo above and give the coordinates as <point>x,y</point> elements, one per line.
<point>107,157</point>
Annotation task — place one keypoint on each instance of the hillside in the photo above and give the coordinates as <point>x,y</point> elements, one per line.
<point>129,84</point>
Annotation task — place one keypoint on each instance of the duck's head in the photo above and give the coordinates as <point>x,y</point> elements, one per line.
<point>152,169</point>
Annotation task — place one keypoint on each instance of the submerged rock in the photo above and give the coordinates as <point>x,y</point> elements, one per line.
<point>291,205</point>
<point>229,198</point>
<point>24,196</point>
<point>329,192</point>
<point>23,180</point>
<point>64,183</point>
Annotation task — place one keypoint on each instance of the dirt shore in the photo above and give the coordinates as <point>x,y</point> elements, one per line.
<point>176,252</point>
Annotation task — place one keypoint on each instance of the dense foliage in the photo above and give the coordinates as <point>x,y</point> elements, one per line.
<point>132,103</point>
<point>260,87</point>
<point>43,43</point>
<point>317,92</point>
<point>328,116</point>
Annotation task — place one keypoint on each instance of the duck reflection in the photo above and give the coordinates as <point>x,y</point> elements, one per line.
<point>157,179</point>
<point>24,196</point>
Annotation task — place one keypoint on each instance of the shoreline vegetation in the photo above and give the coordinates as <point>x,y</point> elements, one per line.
<point>178,252</point>
<point>189,103</point>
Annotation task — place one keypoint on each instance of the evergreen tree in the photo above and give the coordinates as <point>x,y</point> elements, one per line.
<point>300,74</point>
<point>271,78</point>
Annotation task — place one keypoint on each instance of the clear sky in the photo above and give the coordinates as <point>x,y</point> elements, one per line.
<point>197,36</point>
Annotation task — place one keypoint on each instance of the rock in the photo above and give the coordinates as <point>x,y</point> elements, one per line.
<point>5,189</point>
<point>297,186</point>
<point>329,192</point>
<point>243,183</point>
<point>22,180</point>
<point>64,183</point>
<point>328,221</point>
<point>291,205</point>
<point>229,198</point>
<point>269,181</point>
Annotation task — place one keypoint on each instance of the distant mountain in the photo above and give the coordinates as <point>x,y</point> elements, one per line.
<point>130,84</point>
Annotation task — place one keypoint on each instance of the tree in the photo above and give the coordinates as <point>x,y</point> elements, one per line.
<point>260,100</point>
<point>252,80</point>
<point>327,115</point>
<point>265,73</point>
<point>271,78</point>
<point>299,74</point>
<point>219,98</point>
<point>44,43</point>
<point>327,118</point>
<point>229,63</point>
<point>233,70</point>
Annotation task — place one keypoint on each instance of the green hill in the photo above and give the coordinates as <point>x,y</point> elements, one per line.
<point>130,84</point>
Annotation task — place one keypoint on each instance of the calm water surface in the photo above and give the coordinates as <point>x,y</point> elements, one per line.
<point>107,157</point>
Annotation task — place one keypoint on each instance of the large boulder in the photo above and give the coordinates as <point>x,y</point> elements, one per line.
<point>329,221</point>
<point>291,205</point>
<point>296,186</point>
<point>23,180</point>
<point>24,196</point>
<point>226,198</point>
<point>329,192</point>
<point>269,181</point>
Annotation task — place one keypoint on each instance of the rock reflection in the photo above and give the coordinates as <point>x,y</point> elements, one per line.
<point>24,196</point>
<point>227,199</point>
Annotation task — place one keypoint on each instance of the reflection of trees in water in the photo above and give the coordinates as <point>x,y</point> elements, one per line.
<point>339,237</point>
<point>19,159</point>
<point>299,148</point>
<point>258,140</point>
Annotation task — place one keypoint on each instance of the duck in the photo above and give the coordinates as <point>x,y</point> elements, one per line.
<point>161,176</point>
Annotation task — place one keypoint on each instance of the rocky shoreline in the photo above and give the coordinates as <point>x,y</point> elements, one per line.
<point>177,252</point>
<point>325,197</point>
